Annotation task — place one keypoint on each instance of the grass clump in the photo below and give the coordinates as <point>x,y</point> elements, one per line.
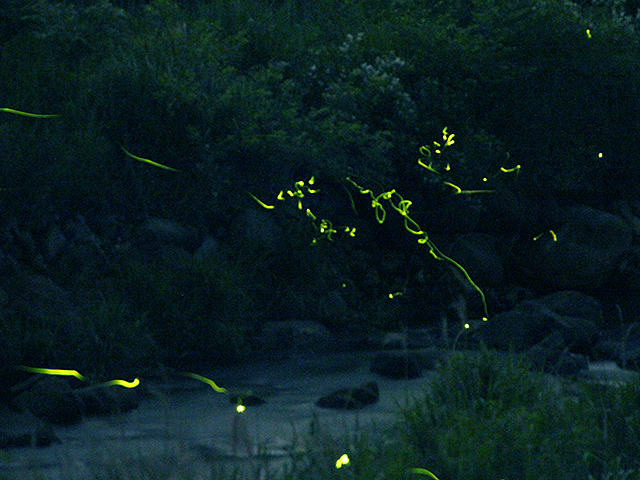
<point>490,416</point>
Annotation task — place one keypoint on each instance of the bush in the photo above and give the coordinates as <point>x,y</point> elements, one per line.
<point>198,310</point>
<point>489,416</point>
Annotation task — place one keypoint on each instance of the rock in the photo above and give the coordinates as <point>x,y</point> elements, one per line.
<point>294,337</point>
<point>420,338</point>
<point>519,329</point>
<point>37,296</point>
<point>394,341</point>
<point>257,228</point>
<point>209,248</point>
<point>168,231</point>
<point>586,248</point>
<point>570,364</point>
<point>552,356</point>
<point>351,398</point>
<point>610,373</point>
<point>575,316</point>
<point>82,262</point>
<point>478,254</point>
<point>54,242</point>
<point>411,338</point>
<point>51,399</point>
<point>397,364</point>
<point>107,400</point>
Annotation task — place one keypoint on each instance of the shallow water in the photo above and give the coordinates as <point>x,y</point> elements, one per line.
<point>185,429</point>
<point>185,425</point>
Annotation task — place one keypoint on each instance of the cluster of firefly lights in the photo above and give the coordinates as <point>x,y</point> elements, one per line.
<point>326,230</point>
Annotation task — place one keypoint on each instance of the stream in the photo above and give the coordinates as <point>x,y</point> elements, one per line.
<point>184,425</point>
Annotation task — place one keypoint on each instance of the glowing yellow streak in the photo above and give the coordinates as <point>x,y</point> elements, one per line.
<point>205,380</point>
<point>381,213</point>
<point>261,203</point>
<point>424,471</point>
<point>53,371</point>
<point>588,33</point>
<point>311,215</point>
<point>353,204</point>
<point>438,255</point>
<point>403,208</point>
<point>123,383</point>
<point>326,228</point>
<point>472,192</point>
<point>428,167</point>
<point>540,235</point>
<point>515,169</point>
<point>75,373</point>
<point>459,191</point>
<point>448,140</point>
<point>27,114</point>
<point>146,160</point>
<point>424,150</point>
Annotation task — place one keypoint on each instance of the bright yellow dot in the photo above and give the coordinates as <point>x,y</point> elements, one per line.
<point>467,326</point>
<point>240,408</point>
<point>588,33</point>
<point>600,155</point>
<point>343,460</point>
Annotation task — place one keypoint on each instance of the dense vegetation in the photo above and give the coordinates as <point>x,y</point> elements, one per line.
<point>253,96</point>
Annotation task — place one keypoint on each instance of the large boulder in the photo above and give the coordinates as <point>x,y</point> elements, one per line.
<point>480,256</point>
<point>351,398</point>
<point>50,399</point>
<point>582,250</point>
<point>549,328</point>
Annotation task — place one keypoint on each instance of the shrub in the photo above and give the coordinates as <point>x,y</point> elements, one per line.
<point>488,416</point>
